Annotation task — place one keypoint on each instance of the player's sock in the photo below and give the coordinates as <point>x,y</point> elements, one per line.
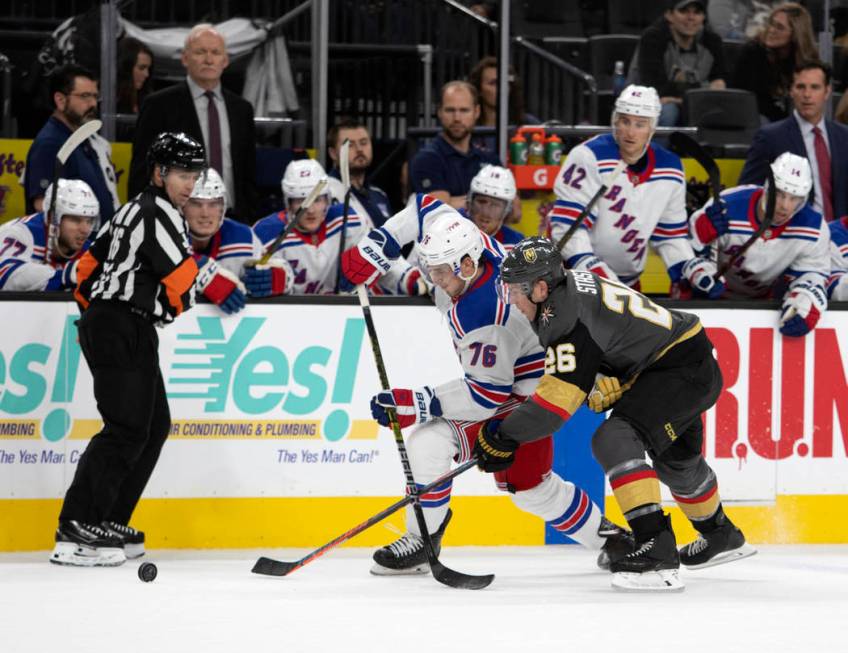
<point>581,520</point>
<point>86,545</point>
<point>133,539</point>
<point>719,541</point>
<point>435,504</point>
<point>407,555</point>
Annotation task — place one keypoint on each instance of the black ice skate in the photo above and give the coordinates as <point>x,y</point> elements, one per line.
<point>725,543</point>
<point>407,556</point>
<point>652,567</point>
<point>618,542</point>
<point>132,538</point>
<point>86,545</point>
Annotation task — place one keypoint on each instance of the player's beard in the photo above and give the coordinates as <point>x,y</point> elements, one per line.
<point>79,119</point>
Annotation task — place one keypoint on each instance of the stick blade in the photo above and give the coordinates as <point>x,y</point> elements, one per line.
<point>270,567</point>
<point>459,580</point>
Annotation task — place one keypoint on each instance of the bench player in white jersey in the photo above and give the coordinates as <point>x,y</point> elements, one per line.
<point>502,362</point>
<point>644,205</point>
<point>312,248</point>
<point>837,284</point>
<point>790,261</point>
<point>41,251</point>
<point>490,200</point>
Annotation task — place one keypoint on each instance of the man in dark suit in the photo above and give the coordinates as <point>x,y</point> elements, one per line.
<point>203,109</point>
<point>807,133</point>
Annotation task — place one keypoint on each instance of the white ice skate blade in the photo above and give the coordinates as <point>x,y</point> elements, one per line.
<point>744,551</point>
<point>666,580</point>
<point>133,551</point>
<point>74,555</point>
<point>417,570</point>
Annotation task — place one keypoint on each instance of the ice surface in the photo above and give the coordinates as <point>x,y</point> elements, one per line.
<point>543,598</point>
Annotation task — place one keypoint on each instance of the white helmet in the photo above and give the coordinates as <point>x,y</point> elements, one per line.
<point>448,239</point>
<point>210,186</point>
<point>73,197</point>
<point>638,101</point>
<point>300,178</point>
<point>494,181</point>
<point>792,175</point>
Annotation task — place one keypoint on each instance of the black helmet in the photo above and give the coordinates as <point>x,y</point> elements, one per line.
<point>532,259</point>
<point>177,150</point>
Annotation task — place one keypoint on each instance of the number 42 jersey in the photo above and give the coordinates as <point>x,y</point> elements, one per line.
<point>590,325</point>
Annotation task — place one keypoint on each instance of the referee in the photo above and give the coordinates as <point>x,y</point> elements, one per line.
<point>138,274</point>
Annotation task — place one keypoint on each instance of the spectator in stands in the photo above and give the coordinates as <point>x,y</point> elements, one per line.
<point>677,53</point>
<point>365,199</point>
<point>74,92</point>
<point>765,65</point>
<point>729,18</point>
<point>484,77</point>
<point>206,111</point>
<point>41,251</point>
<point>135,67</point>
<point>809,134</point>
<point>840,113</point>
<point>445,167</point>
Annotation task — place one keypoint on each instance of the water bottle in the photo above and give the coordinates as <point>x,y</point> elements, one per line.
<point>553,150</point>
<point>518,150</point>
<point>536,151</point>
<point>618,79</point>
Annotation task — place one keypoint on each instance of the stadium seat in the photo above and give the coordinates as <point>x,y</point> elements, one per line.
<point>604,51</point>
<point>632,16</point>
<point>537,19</point>
<point>726,119</point>
<point>573,49</point>
<point>732,49</point>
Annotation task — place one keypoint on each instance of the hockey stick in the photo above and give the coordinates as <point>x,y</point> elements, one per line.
<point>313,195</point>
<point>685,145</point>
<point>441,573</point>
<point>271,567</point>
<point>76,139</point>
<point>621,165</point>
<point>771,200</point>
<point>344,166</point>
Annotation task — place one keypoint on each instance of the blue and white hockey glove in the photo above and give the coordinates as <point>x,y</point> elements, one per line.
<point>411,406</point>
<point>700,273</point>
<point>717,213</point>
<point>801,310</point>
<point>272,279</point>
<point>65,278</point>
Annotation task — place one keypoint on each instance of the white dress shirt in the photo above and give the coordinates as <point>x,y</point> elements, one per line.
<point>201,105</point>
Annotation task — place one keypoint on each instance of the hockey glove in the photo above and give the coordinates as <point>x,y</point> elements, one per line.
<point>64,278</point>
<point>606,392</point>
<point>274,278</point>
<point>493,451</point>
<point>592,263</point>
<point>718,217</point>
<point>371,258</point>
<point>411,406</point>
<point>413,283</point>
<point>801,310</point>
<point>219,285</point>
<point>701,275</point>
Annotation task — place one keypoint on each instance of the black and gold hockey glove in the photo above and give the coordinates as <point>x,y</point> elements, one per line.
<point>493,451</point>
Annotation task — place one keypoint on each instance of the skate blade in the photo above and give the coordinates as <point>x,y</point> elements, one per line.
<point>133,551</point>
<point>665,580</point>
<point>74,555</point>
<point>744,551</point>
<point>417,570</point>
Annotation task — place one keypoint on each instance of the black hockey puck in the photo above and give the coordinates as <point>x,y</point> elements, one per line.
<point>147,572</point>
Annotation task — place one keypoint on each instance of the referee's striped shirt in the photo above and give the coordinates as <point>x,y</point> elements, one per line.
<point>141,256</point>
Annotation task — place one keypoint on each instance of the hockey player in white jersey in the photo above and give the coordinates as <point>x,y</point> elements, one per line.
<point>837,284</point>
<point>41,251</point>
<point>490,199</point>
<point>644,205</point>
<point>790,261</point>
<point>503,362</point>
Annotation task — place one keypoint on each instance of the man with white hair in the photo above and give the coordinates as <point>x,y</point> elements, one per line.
<point>203,109</point>
<point>791,261</point>
<point>41,251</point>
<point>643,205</point>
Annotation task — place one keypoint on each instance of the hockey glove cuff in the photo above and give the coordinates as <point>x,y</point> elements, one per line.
<point>64,278</point>
<point>274,278</point>
<point>718,217</point>
<point>411,406</point>
<point>494,452</point>
<point>219,285</point>
<point>701,275</point>
<point>606,392</point>
<point>801,310</point>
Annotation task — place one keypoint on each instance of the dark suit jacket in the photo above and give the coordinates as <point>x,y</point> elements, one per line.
<point>172,109</point>
<point>773,140</point>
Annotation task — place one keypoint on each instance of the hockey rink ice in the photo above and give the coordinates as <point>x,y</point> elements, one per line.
<point>786,598</point>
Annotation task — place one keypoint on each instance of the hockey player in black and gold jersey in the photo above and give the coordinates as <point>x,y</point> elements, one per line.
<point>607,343</point>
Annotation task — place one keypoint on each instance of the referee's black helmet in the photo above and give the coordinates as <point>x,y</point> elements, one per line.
<point>532,259</point>
<point>177,150</point>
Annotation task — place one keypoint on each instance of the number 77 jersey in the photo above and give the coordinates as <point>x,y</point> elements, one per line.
<point>590,325</point>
